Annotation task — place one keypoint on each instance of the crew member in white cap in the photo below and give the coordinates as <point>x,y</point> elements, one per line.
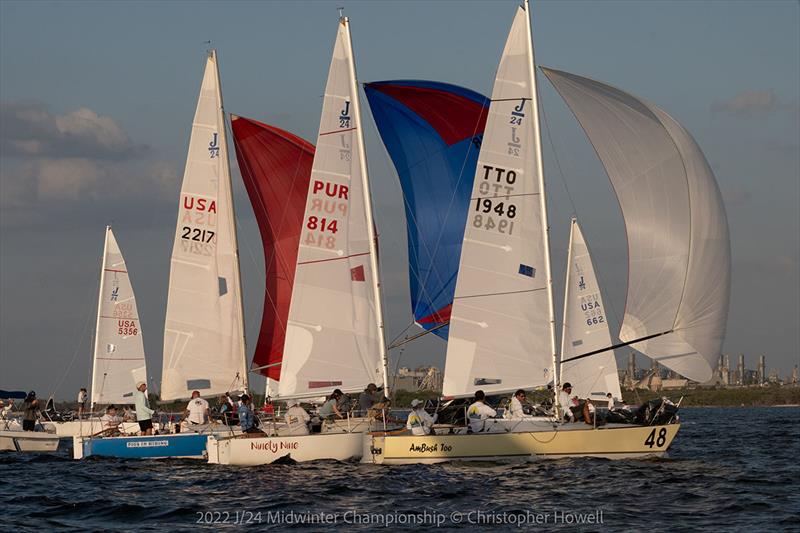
<point>419,421</point>
<point>144,415</point>
<point>297,418</point>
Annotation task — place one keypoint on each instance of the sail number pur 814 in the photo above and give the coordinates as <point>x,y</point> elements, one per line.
<point>493,208</point>
<point>327,208</point>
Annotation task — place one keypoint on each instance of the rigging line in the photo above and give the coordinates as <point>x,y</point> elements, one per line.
<point>506,196</point>
<point>498,293</point>
<point>615,346</point>
<point>418,335</point>
<point>77,347</point>
<point>391,343</point>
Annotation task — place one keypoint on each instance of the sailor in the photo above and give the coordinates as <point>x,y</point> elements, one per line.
<point>419,421</point>
<point>110,421</point>
<point>83,396</point>
<point>297,418</point>
<point>30,408</point>
<point>196,410</point>
<point>515,410</point>
<point>565,401</point>
<point>330,408</point>
<point>367,399</point>
<point>478,412</point>
<point>246,417</point>
<point>144,415</point>
<point>610,401</point>
<point>343,403</point>
<point>588,412</point>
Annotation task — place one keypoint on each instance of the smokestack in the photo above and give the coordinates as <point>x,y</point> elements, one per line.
<point>632,366</point>
<point>740,370</point>
<point>762,369</point>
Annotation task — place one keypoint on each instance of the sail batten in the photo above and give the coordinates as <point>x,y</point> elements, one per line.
<point>679,246</point>
<point>204,345</point>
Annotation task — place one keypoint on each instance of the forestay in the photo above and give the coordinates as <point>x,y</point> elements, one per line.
<point>586,326</point>
<point>118,350</point>
<point>679,248</point>
<point>433,133</point>
<point>499,328</point>
<point>203,332</point>
<point>332,339</point>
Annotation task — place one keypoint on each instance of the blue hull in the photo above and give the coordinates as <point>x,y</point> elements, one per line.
<point>151,447</point>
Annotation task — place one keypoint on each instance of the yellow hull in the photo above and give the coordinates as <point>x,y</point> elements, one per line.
<point>621,442</point>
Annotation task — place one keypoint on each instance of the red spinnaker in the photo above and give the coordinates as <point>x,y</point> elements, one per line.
<point>276,168</point>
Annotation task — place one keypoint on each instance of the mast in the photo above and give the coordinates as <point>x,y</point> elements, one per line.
<point>97,322</point>
<point>537,139</point>
<point>567,287</point>
<point>226,175</point>
<point>373,252</point>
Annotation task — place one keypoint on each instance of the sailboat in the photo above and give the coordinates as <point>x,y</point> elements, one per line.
<point>502,324</point>
<point>118,360</point>
<point>204,345</point>
<point>332,335</point>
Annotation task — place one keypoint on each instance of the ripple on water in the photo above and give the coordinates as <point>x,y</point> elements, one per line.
<point>733,469</point>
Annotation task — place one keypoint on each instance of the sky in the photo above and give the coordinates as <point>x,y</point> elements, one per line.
<point>97,98</point>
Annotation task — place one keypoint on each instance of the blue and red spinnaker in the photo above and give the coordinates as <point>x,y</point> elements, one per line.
<point>432,132</point>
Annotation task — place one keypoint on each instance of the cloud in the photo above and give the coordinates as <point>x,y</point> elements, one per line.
<point>29,129</point>
<point>74,165</point>
<point>749,104</point>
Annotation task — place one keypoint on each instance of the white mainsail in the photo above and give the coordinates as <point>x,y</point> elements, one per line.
<point>118,350</point>
<point>204,346</point>
<point>500,336</point>
<point>334,337</point>
<point>679,247</point>
<point>586,326</point>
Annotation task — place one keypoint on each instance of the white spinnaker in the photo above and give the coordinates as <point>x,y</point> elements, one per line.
<point>499,328</point>
<point>586,327</point>
<point>118,350</point>
<point>678,242</point>
<point>203,332</point>
<point>332,339</point>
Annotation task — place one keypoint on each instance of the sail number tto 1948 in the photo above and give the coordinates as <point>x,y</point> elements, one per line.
<point>491,213</point>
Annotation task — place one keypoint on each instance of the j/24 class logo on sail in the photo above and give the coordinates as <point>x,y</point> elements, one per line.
<point>213,146</point>
<point>344,116</point>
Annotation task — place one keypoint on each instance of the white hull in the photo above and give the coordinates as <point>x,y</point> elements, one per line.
<point>254,450</point>
<point>28,441</point>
